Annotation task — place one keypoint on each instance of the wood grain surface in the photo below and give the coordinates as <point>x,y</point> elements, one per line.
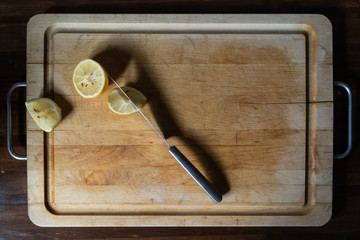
<point>205,76</point>
<point>14,221</point>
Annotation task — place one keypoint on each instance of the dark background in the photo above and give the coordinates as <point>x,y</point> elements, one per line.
<point>14,15</point>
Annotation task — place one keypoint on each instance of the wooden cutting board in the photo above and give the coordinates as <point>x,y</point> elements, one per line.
<point>247,98</point>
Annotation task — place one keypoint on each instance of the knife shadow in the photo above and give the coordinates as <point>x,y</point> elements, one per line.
<point>162,112</point>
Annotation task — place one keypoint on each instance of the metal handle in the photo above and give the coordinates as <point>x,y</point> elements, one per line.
<point>348,91</point>
<point>196,175</point>
<point>9,126</point>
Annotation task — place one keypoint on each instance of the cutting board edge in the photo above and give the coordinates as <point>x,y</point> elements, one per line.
<point>40,216</point>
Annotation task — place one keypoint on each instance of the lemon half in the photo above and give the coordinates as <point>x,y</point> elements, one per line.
<point>90,79</point>
<point>45,112</point>
<point>119,104</point>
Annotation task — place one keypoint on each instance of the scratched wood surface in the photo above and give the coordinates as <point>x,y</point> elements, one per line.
<point>244,105</point>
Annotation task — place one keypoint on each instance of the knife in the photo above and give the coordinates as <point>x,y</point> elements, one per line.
<point>209,189</point>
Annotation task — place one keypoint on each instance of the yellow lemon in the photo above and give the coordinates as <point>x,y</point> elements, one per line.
<point>119,104</point>
<point>45,112</point>
<point>90,79</point>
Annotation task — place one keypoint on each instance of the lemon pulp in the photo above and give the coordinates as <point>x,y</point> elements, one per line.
<point>119,104</point>
<point>45,112</point>
<point>90,79</point>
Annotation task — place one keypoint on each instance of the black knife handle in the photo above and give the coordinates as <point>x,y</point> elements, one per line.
<point>196,175</point>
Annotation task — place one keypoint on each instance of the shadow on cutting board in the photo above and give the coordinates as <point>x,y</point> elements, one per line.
<point>115,60</point>
<point>63,103</point>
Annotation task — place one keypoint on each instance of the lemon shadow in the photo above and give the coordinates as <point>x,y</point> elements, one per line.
<point>114,61</point>
<point>64,104</point>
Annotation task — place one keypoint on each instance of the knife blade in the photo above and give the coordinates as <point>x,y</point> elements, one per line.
<point>199,178</point>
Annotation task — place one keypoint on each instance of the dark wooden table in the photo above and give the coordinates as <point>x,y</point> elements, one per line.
<point>14,15</point>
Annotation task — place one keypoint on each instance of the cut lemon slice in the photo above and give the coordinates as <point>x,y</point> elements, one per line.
<point>119,104</point>
<point>90,79</point>
<point>45,112</point>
